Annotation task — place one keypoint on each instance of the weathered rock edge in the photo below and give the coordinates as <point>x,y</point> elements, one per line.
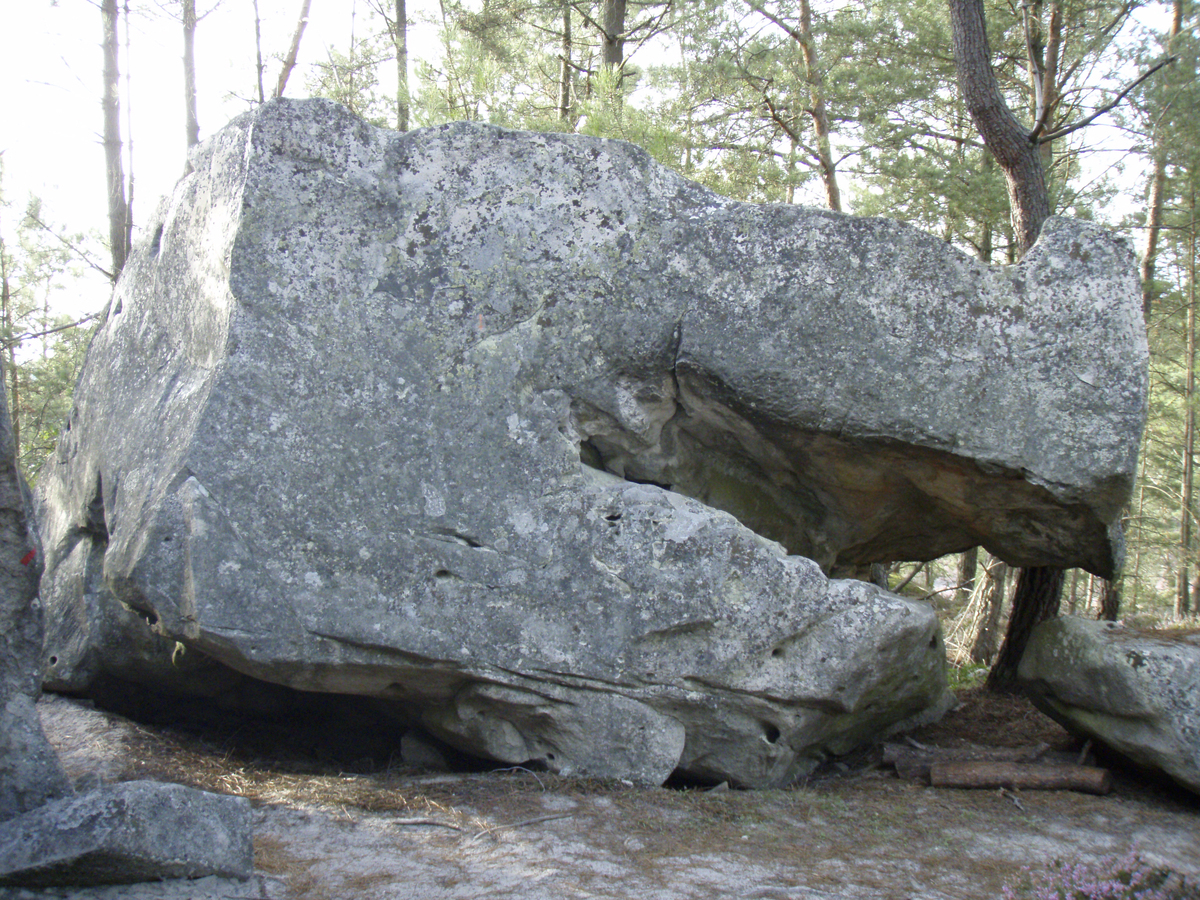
<point>1137,693</point>
<point>345,424</point>
<point>125,833</point>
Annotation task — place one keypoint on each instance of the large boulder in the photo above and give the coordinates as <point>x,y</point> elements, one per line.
<point>1136,692</point>
<point>532,437</point>
<point>29,770</point>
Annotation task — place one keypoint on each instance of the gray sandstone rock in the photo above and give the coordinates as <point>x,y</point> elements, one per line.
<point>124,833</point>
<point>1137,693</point>
<point>29,770</point>
<point>397,415</point>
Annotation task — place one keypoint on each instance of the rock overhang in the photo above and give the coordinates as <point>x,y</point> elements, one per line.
<point>360,382</point>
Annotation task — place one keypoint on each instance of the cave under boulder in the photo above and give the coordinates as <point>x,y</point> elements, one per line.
<point>555,451</point>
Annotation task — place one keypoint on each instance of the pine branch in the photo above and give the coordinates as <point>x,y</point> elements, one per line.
<point>1108,107</point>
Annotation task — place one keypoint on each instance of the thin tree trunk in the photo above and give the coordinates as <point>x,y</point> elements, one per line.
<point>189,73</point>
<point>820,119</point>
<point>983,648</point>
<point>401,41</point>
<point>128,139</point>
<point>262,97</point>
<point>1141,512</point>
<point>968,564</point>
<point>1183,602</point>
<point>1182,582</point>
<point>289,61</point>
<point>1154,208</point>
<point>1110,600</point>
<point>1041,586</point>
<point>565,70</point>
<point>118,211</point>
<point>1158,183</point>
<point>6,321</point>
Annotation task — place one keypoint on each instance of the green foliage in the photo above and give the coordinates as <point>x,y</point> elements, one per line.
<point>352,79</point>
<point>43,349</point>
<point>1167,111</point>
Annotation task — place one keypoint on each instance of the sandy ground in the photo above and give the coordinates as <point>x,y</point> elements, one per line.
<point>399,833</point>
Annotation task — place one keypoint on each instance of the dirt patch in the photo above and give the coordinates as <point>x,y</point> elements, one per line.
<point>852,831</point>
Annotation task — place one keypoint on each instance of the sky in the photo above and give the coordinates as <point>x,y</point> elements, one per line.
<point>50,115</point>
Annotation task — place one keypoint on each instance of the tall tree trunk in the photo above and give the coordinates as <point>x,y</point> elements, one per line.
<point>820,118</point>
<point>968,565</point>
<point>6,322</point>
<point>1182,583</point>
<point>114,170</point>
<point>1039,589</point>
<point>1009,141</point>
<point>1158,183</point>
<point>262,97</point>
<point>1110,600</point>
<point>289,61</point>
<point>1041,586</point>
<point>983,648</point>
<point>189,73</point>
<point>128,138</point>
<point>1183,602</point>
<point>401,42</point>
<point>566,69</point>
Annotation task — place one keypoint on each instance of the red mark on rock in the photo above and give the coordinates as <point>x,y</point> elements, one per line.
<point>28,557</point>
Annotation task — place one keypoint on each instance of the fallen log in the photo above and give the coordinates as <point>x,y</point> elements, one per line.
<point>912,762</point>
<point>1020,776</point>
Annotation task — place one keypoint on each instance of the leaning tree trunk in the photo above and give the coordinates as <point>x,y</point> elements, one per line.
<point>289,61</point>
<point>820,118</point>
<point>1039,590</point>
<point>1012,145</point>
<point>983,647</point>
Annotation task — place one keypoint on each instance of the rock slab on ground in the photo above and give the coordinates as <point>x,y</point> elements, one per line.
<point>532,437</point>
<point>1137,693</point>
<point>29,770</point>
<point>125,833</point>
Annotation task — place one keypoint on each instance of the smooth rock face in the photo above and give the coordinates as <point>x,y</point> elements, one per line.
<point>394,415</point>
<point>125,833</point>
<point>29,770</point>
<point>1137,693</point>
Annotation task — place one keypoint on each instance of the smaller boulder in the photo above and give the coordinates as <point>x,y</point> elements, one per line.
<point>1136,692</point>
<point>126,833</point>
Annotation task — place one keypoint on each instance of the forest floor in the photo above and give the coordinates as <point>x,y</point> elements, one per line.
<point>327,830</point>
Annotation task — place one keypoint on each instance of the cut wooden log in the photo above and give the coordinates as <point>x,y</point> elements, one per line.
<point>913,762</point>
<point>1022,776</point>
